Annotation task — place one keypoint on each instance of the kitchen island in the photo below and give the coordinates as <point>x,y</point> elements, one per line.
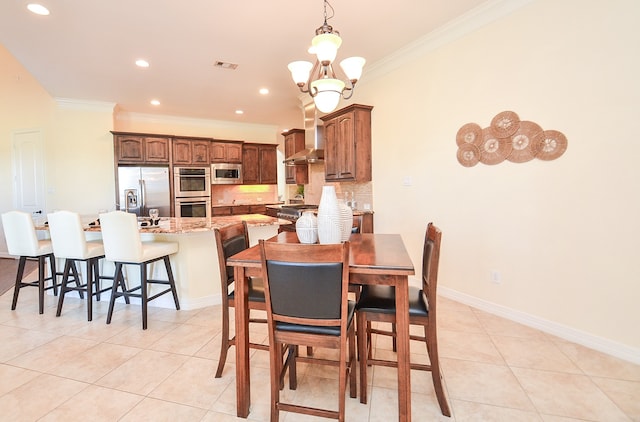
<point>195,266</point>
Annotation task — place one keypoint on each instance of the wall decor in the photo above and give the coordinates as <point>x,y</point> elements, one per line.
<point>507,138</point>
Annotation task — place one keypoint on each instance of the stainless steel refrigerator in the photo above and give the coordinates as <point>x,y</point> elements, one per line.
<point>142,188</point>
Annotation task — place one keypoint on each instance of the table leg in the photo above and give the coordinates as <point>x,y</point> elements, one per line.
<point>404,364</point>
<point>243,381</point>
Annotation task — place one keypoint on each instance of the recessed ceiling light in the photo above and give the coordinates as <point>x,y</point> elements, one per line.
<point>264,91</point>
<point>239,112</point>
<point>155,102</point>
<point>142,63</point>
<point>38,9</point>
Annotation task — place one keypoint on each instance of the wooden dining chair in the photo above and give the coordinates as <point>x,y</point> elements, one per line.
<point>229,241</point>
<point>377,303</point>
<point>306,291</point>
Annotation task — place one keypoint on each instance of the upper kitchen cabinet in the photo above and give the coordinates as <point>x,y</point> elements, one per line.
<point>347,152</point>
<point>259,164</point>
<point>225,152</point>
<point>141,149</point>
<point>294,142</point>
<point>191,151</point>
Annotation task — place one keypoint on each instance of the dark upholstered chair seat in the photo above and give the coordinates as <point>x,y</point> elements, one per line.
<point>382,299</point>
<point>314,329</point>
<point>256,290</point>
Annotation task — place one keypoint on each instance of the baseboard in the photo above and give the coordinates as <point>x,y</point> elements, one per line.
<point>600,344</point>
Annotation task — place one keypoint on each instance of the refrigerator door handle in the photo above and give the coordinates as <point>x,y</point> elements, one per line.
<point>143,198</point>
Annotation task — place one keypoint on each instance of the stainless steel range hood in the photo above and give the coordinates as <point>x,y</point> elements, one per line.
<point>313,139</point>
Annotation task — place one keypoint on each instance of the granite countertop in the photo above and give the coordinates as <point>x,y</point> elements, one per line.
<point>355,212</point>
<point>182,225</point>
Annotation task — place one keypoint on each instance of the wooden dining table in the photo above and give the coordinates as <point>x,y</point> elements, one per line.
<point>378,259</point>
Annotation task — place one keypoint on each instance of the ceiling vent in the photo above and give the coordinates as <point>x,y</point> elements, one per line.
<point>225,65</point>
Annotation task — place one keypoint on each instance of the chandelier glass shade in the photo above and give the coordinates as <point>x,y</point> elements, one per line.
<point>319,80</point>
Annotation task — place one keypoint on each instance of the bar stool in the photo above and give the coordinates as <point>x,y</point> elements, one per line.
<point>20,234</point>
<point>123,245</point>
<point>69,243</point>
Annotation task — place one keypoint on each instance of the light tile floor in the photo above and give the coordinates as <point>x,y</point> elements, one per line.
<point>66,369</point>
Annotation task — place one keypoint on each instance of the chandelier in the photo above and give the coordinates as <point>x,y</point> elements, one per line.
<point>319,80</point>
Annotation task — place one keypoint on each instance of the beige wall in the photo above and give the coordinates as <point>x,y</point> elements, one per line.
<point>562,233</point>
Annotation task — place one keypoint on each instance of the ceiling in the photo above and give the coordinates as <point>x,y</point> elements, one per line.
<point>85,50</point>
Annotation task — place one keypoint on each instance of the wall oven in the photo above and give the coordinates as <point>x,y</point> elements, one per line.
<point>226,174</point>
<point>193,207</point>
<point>191,182</point>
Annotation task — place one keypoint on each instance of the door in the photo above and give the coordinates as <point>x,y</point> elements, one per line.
<point>28,172</point>
<point>155,186</point>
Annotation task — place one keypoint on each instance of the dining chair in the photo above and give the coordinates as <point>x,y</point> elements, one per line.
<point>69,243</point>
<point>377,303</point>
<point>123,245</point>
<point>306,296</point>
<point>22,241</point>
<point>229,241</point>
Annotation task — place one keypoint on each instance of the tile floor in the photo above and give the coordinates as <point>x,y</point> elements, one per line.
<point>66,369</point>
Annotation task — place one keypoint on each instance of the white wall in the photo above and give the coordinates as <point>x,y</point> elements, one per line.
<point>562,233</point>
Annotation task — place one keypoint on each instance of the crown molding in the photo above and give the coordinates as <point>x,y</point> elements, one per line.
<point>465,24</point>
<point>86,105</point>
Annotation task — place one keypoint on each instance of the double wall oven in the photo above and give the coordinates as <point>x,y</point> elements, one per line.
<point>192,191</point>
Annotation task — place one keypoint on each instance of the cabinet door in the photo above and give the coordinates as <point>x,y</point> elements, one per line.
<point>294,142</point>
<point>130,148</point>
<point>156,149</point>
<point>181,151</point>
<point>348,144</point>
<point>200,152</point>
<point>268,165</point>
<point>250,165</point>
<point>233,153</point>
<point>217,152</point>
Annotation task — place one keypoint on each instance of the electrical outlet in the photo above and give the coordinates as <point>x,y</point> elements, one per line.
<point>496,276</point>
<point>407,181</point>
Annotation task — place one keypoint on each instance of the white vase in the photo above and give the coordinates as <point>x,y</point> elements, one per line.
<point>307,227</point>
<point>346,221</point>
<point>329,225</point>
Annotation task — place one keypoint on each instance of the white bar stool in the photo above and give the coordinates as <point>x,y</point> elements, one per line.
<point>123,245</point>
<point>69,243</point>
<point>20,234</point>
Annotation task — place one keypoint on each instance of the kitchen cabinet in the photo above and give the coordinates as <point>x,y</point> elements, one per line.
<point>294,142</point>
<point>141,149</point>
<point>225,152</point>
<point>259,164</point>
<point>191,151</point>
<point>347,152</point>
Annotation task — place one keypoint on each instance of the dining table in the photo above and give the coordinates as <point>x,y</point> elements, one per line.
<point>375,259</point>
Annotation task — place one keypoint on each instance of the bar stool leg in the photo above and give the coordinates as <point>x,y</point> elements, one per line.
<point>63,285</point>
<point>19,274</point>
<point>172,282</point>
<point>41,277</point>
<point>143,290</point>
<point>89,283</point>
<point>114,290</point>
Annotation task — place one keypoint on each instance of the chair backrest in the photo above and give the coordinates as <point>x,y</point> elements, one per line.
<point>306,283</point>
<point>20,233</point>
<point>121,237</point>
<point>430,263</point>
<point>67,235</point>
<point>229,241</point>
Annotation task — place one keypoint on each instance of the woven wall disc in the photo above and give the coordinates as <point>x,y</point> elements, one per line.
<point>551,144</point>
<point>468,155</point>
<point>493,150</point>
<point>471,133</point>
<point>523,142</point>
<point>505,124</point>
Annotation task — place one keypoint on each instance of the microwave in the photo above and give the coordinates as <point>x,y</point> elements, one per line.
<point>226,174</point>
